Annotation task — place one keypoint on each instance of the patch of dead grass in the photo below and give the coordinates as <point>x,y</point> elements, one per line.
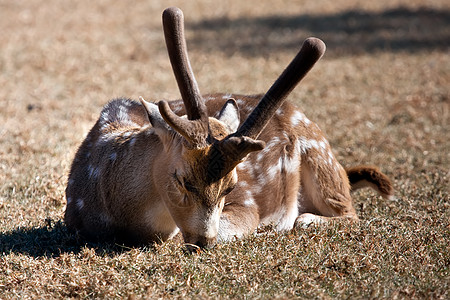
<point>60,61</point>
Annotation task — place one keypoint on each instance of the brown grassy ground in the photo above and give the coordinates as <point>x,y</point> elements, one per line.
<point>381,93</point>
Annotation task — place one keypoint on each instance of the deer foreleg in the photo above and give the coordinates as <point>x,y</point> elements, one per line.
<point>237,221</point>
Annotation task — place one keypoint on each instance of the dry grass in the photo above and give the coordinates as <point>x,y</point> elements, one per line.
<point>380,93</point>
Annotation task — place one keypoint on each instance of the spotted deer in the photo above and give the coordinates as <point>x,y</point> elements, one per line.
<point>213,167</point>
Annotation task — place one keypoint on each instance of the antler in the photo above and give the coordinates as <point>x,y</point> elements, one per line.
<point>195,128</point>
<point>310,52</point>
<point>226,154</point>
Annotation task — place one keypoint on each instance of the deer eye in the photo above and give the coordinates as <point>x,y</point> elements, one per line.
<point>228,190</point>
<point>185,184</point>
<point>175,177</point>
<point>189,187</point>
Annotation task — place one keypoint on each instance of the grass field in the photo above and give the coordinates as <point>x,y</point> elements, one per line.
<point>381,94</point>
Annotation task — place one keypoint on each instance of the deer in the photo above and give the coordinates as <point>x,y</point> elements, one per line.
<point>212,167</point>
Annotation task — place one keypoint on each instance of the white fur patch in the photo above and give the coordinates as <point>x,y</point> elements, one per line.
<point>244,166</point>
<point>271,144</point>
<point>93,172</point>
<point>240,102</point>
<point>80,203</point>
<point>306,144</point>
<point>307,219</point>
<point>275,169</point>
<point>123,115</point>
<point>104,117</point>
<point>280,111</point>
<point>287,221</point>
<point>113,156</point>
<point>225,232</point>
<point>298,117</point>
<point>212,224</point>
<point>322,145</point>
<point>292,164</point>
<point>228,231</point>
<point>284,218</point>
<point>249,200</point>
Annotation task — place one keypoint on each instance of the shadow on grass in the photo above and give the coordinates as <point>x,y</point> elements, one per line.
<point>51,241</point>
<point>348,33</point>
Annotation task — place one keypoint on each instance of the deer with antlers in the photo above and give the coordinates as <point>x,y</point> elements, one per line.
<point>213,167</point>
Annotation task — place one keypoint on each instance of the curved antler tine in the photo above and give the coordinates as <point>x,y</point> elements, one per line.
<point>173,23</point>
<point>310,52</point>
<point>195,131</point>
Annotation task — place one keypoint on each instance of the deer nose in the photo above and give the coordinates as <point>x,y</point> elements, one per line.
<point>201,243</point>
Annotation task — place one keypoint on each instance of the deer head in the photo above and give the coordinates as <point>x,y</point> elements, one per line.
<point>203,151</point>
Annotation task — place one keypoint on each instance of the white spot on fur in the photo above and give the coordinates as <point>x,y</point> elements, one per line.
<point>292,164</point>
<point>93,172</point>
<point>107,137</point>
<point>229,231</point>
<point>127,134</point>
<point>287,221</point>
<point>280,111</point>
<point>123,115</point>
<point>307,219</point>
<point>243,184</point>
<point>113,156</point>
<point>225,232</point>
<point>330,157</point>
<point>212,224</point>
<point>240,102</point>
<point>275,169</point>
<point>245,165</point>
<point>272,143</point>
<point>104,117</point>
<point>298,117</point>
<point>80,203</point>
<point>322,145</point>
<point>249,200</point>
<point>284,218</point>
<point>314,144</point>
<point>306,144</point>
<point>330,161</point>
<point>226,96</point>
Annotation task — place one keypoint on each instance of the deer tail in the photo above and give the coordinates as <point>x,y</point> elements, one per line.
<point>370,176</point>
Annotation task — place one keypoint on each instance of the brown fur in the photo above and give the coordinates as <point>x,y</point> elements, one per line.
<point>145,171</point>
<point>118,194</point>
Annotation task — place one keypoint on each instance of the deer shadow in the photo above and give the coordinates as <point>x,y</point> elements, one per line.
<point>348,33</point>
<point>52,240</point>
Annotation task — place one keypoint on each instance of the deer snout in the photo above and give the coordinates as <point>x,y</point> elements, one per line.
<point>196,243</point>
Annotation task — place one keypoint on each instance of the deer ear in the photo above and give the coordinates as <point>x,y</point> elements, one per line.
<point>229,114</point>
<point>154,115</point>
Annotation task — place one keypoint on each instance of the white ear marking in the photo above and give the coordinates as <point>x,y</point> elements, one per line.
<point>229,114</point>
